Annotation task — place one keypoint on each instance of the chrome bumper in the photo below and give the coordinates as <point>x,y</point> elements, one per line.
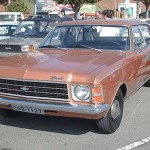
<point>57,107</point>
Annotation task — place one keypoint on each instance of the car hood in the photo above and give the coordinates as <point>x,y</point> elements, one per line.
<point>21,41</point>
<point>61,67</point>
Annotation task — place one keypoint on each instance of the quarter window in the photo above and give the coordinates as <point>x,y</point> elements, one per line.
<point>138,38</point>
<point>146,33</point>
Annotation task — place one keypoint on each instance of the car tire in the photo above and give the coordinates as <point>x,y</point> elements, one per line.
<point>8,113</point>
<point>112,120</point>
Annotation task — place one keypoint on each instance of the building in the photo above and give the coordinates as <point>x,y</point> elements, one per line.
<point>129,8</point>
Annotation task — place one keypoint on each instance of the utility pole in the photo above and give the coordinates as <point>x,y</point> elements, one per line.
<point>138,8</point>
<point>35,7</point>
<point>8,2</point>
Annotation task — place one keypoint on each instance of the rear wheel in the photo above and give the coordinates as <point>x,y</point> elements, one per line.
<point>8,113</point>
<point>112,120</point>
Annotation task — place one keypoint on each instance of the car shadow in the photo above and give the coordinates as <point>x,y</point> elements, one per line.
<point>72,126</point>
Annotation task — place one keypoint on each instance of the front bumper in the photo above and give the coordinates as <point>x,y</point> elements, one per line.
<point>91,110</point>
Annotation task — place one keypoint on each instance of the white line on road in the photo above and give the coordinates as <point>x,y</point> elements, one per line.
<point>135,144</point>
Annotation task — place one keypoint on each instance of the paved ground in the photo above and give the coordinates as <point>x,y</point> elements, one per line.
<point>34,132</point>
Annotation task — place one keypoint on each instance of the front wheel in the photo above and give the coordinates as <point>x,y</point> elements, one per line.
<point>8,113</point>
<point>112,120</point>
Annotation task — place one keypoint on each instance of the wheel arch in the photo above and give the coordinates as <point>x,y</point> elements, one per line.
<point>123,89</point>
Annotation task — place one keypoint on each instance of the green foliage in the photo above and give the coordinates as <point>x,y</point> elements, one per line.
<point>76,1</point>
<point>76,4</point>
<point>17,6</point>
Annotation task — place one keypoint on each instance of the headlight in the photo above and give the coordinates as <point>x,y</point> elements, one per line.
<point>28,48</point>
<point>81,92</point>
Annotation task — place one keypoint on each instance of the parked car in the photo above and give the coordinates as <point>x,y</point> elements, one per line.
<point>84,69</point>
<point>28,35</point>
<point>11,17</point>
<point>143,14</point>
<point>7,29</point>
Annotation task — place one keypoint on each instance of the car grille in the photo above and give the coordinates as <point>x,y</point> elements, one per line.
<point>10,48</point>
<point>34,89</point>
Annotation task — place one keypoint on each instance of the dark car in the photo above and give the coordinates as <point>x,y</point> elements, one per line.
<point>28,35</point>
<point>143,14</point>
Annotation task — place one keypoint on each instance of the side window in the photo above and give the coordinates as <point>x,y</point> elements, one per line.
<point>138,38</point>
<point>146,33</point>
<point>18,17</point>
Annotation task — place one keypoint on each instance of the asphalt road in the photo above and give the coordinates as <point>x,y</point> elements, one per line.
<point>34,132</point>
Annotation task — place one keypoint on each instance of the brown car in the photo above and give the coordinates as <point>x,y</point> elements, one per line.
<point>83,69</point>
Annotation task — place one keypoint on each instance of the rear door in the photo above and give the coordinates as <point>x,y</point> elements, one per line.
<point>141,35</point>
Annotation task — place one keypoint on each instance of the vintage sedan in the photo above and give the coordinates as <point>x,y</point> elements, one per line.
<point>84,69</point>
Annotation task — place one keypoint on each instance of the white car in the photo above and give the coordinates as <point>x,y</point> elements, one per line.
<point>11,17</point>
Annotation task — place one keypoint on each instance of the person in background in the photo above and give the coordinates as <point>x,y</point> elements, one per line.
<point>113,14</point>
<point>98,15</point>
<point>62,14</point>
<point>107,14</point>
<point>71,15</point>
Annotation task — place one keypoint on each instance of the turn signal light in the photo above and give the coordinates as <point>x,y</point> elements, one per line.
<point>97,95</point>
<point>31,48</point>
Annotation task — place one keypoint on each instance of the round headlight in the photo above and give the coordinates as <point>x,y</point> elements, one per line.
<point>82,92</point>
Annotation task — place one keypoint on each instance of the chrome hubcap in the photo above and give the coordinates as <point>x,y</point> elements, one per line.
<point>115,109</point>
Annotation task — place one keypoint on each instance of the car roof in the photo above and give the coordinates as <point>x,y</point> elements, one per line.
<point>41,18</point>
<point>38,19</point>
<point>6,13</point>
<point>9,23</point>
<point>127,22</point>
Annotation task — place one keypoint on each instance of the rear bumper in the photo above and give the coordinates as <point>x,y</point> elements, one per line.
<point>91,110</point>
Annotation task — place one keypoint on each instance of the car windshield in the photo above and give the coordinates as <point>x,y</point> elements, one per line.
<point>7,30</point>
<point>100,37</point>
<point>37,29</point>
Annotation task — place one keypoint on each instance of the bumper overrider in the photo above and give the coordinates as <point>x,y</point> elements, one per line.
<point>70,108</point>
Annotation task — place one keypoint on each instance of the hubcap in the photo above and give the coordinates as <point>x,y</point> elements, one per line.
<point>115,109</point>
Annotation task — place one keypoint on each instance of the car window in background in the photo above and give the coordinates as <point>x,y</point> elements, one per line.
<point>7,17</point>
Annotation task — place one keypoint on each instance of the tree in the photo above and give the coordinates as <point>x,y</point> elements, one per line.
<point>76,4</point>
<point>16,6</point>
<point>146,3</point>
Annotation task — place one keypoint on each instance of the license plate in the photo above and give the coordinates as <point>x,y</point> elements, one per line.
<point>28,109</point>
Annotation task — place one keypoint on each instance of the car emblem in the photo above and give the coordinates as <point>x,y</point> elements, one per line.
<point>24,88</point>
<point>53,78</point>
<point>7,47</point>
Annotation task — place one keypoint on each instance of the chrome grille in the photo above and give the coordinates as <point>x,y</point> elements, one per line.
<point>10,48</point>
<point>34,89</point>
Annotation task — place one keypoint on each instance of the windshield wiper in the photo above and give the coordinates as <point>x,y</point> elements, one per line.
<point>85,46</point>
<point>92,48</point>
<point>50,46</point>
